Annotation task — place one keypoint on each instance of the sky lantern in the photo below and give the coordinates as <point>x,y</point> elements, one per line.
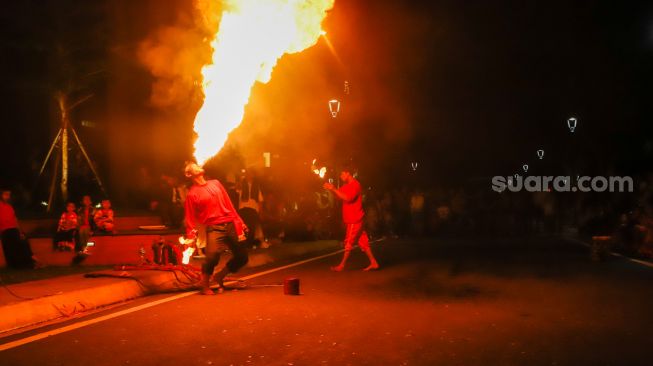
<point>572,123</point>
<point>334,107</point>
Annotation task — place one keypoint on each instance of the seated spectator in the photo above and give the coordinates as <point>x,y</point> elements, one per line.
<point>104,218</point>
<point>67,229</point>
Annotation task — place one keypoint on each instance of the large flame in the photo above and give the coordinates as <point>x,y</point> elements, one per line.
<point>251,37</point>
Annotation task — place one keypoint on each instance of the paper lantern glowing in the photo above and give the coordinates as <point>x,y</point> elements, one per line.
<point>572,123</point>
<point>334,107</point>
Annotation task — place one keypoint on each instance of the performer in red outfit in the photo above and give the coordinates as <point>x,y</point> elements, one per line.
<point>208,205</point>
<point>353,217</point>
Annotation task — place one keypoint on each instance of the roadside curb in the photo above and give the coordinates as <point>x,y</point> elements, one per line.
<point>31,312</point>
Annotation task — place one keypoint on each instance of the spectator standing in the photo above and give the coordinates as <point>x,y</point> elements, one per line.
<point>85,216</point>
<point>249,207</point>
<point>417,212</point>
<point>273,217</point>
<point>15,248</point>
<point>172,202</point>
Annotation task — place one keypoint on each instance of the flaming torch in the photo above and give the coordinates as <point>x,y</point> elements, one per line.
<point>321,172</point>
<point>251,37</point>
<point>189,245</point>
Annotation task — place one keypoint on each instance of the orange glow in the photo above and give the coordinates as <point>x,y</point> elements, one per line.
<point>251,37</point>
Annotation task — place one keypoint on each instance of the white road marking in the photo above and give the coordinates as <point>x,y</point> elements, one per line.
<point>638,261</point>
<point>53,332</point>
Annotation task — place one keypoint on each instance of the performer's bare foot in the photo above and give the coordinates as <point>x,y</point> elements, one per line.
<point>338,268</point>
<point>219,278</point>
<point>372,267</point>
<point>205,288</point>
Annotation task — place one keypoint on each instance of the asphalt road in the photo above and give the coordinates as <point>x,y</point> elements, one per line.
<point>435,302</point>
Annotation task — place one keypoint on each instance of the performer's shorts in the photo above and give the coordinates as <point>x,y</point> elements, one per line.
<point>356,234</point>
<point>220,238</point>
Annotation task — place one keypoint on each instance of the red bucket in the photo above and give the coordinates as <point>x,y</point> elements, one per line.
<point>291,286</point>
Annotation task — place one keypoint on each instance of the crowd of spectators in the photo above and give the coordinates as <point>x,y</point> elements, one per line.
<point>77,225</point>
<point>474,210</point>
<point>628,220</point>
<point>276,213</point>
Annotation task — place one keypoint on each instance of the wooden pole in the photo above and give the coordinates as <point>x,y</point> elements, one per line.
<point>64,146</point>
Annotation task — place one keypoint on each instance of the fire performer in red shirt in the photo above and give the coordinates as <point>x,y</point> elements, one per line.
<point>353,217</point>
<point>208,204</point>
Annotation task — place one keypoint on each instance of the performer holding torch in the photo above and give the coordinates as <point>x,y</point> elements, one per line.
<point>208,204</point>
<point>353,216</point>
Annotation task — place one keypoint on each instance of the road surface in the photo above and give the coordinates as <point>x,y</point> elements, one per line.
<point>434,302</point>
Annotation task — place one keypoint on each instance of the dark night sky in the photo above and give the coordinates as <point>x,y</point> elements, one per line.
<point>470,89</point>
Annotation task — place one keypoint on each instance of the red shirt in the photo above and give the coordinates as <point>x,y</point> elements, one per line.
<point>7,217</point>
<point>68,221</point>
<point>352,206</point>
<point>210,205</point>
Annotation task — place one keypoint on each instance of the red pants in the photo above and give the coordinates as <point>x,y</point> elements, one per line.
<point>356,233</point>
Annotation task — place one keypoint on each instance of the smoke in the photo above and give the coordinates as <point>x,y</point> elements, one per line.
<point>174,54</point>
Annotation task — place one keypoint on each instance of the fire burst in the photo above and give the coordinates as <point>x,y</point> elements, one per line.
<point>251,37</point>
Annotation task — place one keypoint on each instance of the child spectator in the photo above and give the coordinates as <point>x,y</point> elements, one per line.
<point>65,238</point>
<point>104,218</point>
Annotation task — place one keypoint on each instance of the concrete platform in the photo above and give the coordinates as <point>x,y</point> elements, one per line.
<point>108,249</point>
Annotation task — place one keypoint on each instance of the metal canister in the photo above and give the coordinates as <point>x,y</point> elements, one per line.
<point>291,286</point>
